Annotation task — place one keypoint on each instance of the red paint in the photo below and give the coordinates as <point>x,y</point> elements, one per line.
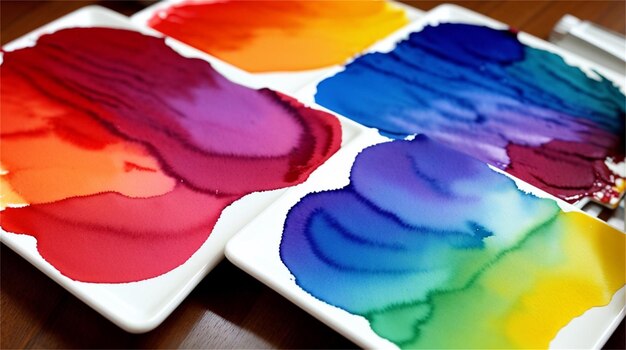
<point>128,166</point>
<point>125,153</point>
<point>571,169</point>
<point>112,238</point>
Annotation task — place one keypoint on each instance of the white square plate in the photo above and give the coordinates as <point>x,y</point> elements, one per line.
<point>455,14</point>
<point>256,248</point>
<point>141,306</point>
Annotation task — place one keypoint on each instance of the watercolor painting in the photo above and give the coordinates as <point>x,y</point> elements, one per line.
<point>273,36</point>
<point>437,250</point>
<point>119,154</point>
<point>483,92</point>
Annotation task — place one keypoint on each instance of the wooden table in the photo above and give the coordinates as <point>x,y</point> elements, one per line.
<point>229,309</point>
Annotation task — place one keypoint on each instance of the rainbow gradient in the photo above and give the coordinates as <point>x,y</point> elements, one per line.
<point>437,250</point>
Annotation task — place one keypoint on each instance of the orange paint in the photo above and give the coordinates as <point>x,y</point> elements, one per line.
<point>50,159</point>
<point>264,36</point>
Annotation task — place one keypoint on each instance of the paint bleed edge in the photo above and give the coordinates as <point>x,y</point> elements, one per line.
<point>620,294</point>
<point>135,325</point>
<point>312,306</point>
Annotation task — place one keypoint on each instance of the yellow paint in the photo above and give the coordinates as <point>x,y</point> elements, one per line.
<point>588,276</point>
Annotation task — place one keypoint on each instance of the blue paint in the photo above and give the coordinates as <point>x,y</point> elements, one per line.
<point>393,223</point>
<point>480,91</point>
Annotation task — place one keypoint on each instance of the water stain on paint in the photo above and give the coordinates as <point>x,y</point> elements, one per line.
<point>437,250</point>
<point>119,155</point>
<point>265,36</point>
<point>484,93</point>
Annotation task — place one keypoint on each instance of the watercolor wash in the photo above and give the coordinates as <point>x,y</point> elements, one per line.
<point>437,250</point>
<point>271,36</point>
<point>483,92</point>
<point>119,154</point>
